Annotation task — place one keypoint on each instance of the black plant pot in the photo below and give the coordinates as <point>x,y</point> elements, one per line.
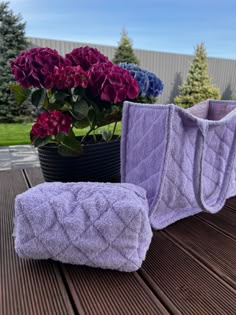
<point>99,162</point>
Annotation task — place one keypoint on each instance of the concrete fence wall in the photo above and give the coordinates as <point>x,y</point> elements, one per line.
<point>171,68</point>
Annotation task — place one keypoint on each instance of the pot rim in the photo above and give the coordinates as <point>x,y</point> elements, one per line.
<point>115,139</point>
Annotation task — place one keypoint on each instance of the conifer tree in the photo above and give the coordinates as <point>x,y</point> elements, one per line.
<point>197,86</point>
<point>12,42</point>
<point>124,52</point>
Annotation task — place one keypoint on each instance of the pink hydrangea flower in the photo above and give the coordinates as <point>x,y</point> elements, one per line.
<point>51,123</point>
<point>85,57</point>
<point>112,83</point>
<point>34,67</point>
<point>69,77</point>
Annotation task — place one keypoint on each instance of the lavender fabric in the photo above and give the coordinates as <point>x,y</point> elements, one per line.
<point>185,159</point>
<point>96,224</point>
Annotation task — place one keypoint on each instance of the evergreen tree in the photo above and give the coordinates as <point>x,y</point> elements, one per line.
<point>124,52</point>
<point>198,85</point>
<point>12,42</point>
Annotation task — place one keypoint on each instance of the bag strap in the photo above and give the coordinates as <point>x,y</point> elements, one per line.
<point>216,200</point>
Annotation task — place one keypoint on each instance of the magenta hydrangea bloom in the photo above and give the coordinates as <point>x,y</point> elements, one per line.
<point>34,67</point>
<point>51,123</point>
<point>69,77</point>
<point>112,83</point>
<point>85,57</point>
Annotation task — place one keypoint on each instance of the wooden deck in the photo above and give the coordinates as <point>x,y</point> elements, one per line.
<point>190,269</point>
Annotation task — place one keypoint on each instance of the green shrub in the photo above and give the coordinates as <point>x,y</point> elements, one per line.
<point>198,85</point>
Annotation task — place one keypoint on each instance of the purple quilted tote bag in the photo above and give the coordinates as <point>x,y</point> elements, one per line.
<point>185,159</point>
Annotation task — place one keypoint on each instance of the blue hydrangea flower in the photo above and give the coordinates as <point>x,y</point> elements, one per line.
<point>149,84</point>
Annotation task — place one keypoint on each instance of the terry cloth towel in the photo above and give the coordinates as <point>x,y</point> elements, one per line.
<point>185,159</point>
<point>96,224</point>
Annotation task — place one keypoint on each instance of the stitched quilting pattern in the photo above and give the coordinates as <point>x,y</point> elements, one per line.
<point>145,147</point>
<point>94,224</point>
<point>219,162</point>
<point>191,168</point>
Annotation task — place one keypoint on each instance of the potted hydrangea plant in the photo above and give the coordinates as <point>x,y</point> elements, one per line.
<point>81,90</point>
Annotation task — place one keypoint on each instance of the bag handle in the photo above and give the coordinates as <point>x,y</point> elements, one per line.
<point>216,200</point>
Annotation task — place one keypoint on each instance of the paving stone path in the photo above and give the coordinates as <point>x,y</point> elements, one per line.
<point>18,156</point>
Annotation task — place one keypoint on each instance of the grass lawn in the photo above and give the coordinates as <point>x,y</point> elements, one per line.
<point>13,134</point>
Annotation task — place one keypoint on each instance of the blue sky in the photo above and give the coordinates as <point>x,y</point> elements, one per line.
<point>160,25</point>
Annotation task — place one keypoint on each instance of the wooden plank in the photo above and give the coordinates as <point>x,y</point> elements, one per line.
<point>34,176</point>
<point>232,203</point>
<point>209,245</point>
<point>110,292</point>
<point>26,286</point>
<point>193,288</point>
<point>225,220</point>
<point>106,292</point>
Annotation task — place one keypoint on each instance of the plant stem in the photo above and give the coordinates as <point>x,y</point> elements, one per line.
<point>90,130</point>
<point>94,137</point>
<point>73,114</point>
<point>114,129</point>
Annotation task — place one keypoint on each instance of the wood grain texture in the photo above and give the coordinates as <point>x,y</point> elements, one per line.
<point>26,286</point>
<point>105,292</point>
<point>225,220</point>
<point>190,268</point>
<point>215,249</point>
<point>188,284</point>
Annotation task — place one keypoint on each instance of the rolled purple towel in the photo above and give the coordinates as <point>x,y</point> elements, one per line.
<point>96,224</point>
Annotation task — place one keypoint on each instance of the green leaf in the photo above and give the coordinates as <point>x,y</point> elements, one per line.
<point>116,109</point>
<point>98,112</point>
<point>60,136</point>
<point>21,94</point>
<point>45,103</point>
<point>65,151</point>
<point>92,118</point>
<point>106,135</point>
<point>57,99</point>
<point>39,142</point>
<point>80,124</point>
<point>52,98</point>
<point>56,106</point>
<point>38,96</point>
<point>66,107</point>
<point>69,147</point>
<point>61,96</point>
<point>76,98</point>
<point>71,133</point>
<point>78,90</point>
<point>81,108</point>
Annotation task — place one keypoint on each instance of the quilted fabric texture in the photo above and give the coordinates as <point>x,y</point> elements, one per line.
<point>185,159</point>
<point>96,224</point>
